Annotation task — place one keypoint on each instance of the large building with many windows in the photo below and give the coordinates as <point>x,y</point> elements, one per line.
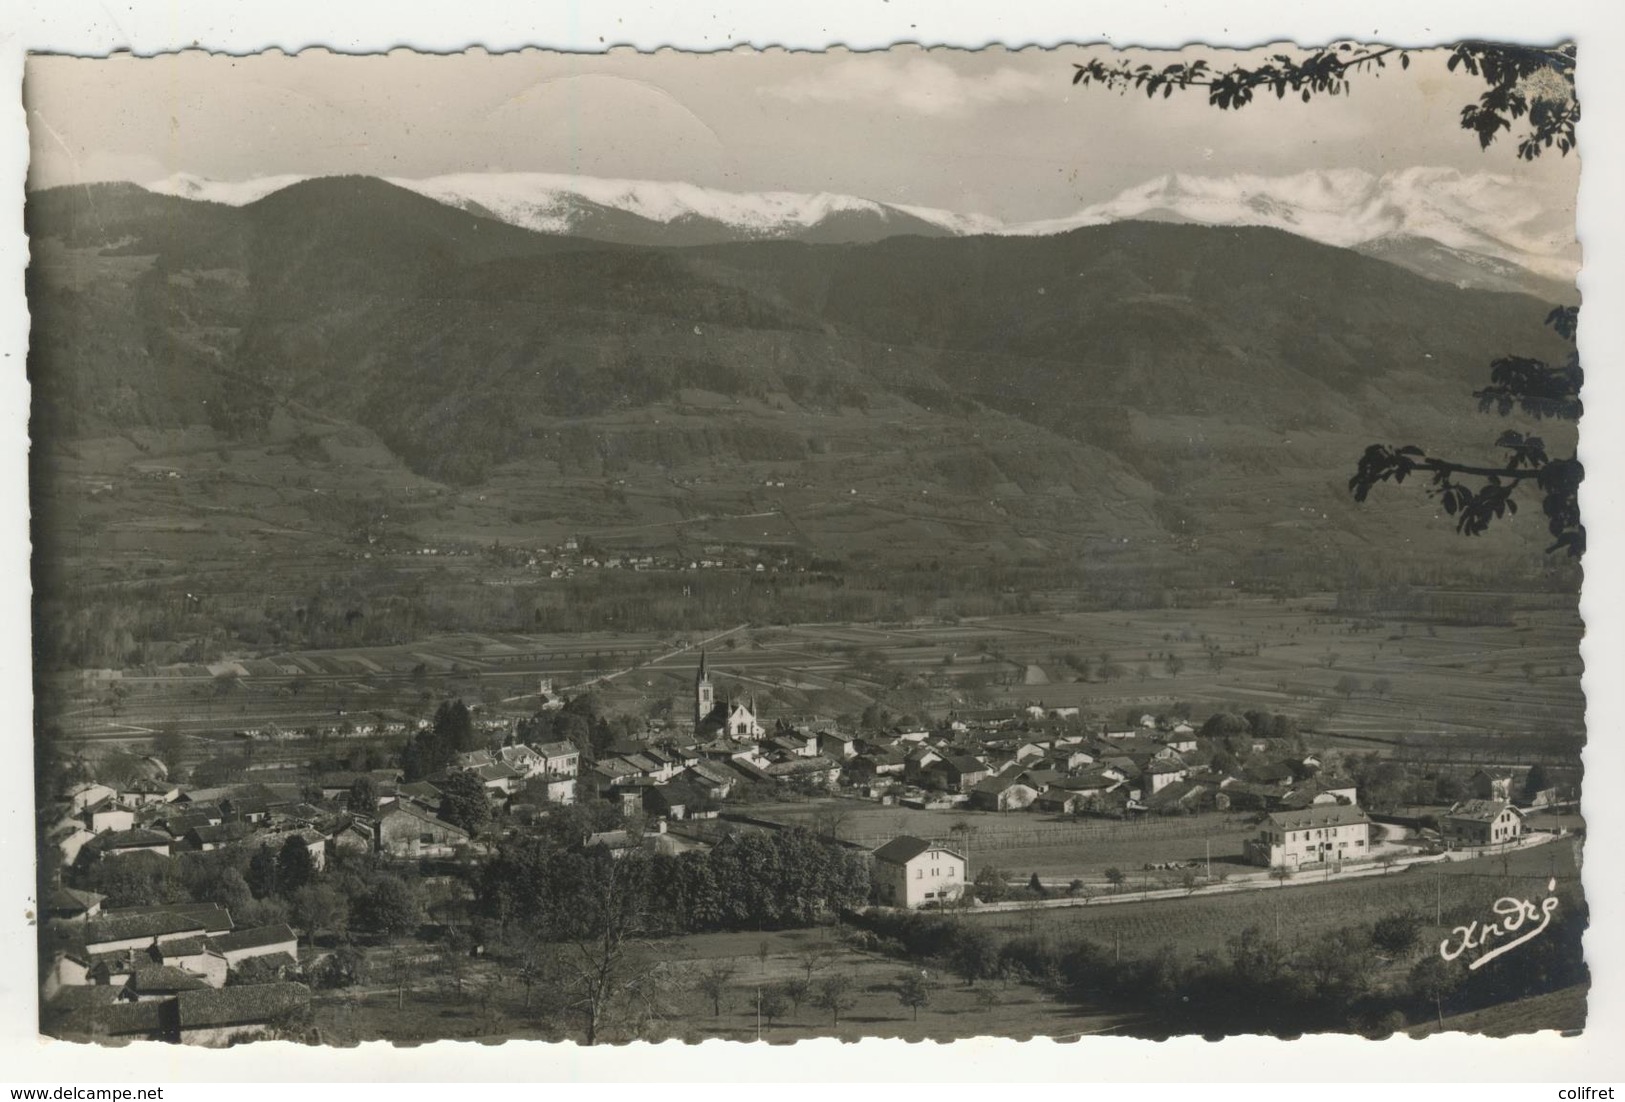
<point>1315,836</point>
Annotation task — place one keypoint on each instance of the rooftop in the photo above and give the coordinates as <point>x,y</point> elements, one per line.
<point>905,848</point>
<point>250,1004</point>
<point>1319,815</point>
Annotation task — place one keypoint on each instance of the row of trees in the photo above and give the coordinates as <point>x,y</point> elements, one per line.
<point>267,885</point>
<point>760,879</point>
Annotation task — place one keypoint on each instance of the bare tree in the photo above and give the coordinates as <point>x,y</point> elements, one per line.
<point>713,983</point>
<point>815,960</point>
<point>604,969</point>
<point>828,821</point>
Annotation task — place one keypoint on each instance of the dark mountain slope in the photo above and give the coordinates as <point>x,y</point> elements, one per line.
<point>1120,367</point>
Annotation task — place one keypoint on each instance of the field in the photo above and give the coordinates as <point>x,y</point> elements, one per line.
<point>1020,844</point>
<point>490,1006</point>
<point>1305,910</point>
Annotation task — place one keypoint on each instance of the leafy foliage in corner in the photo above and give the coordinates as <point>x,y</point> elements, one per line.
<point>1535,83</point>
<point>1539,390</point>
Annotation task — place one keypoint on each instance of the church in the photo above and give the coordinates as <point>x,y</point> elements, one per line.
<point>714,717</point>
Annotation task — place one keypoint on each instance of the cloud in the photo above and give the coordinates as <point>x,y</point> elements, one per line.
<point>920,85</point>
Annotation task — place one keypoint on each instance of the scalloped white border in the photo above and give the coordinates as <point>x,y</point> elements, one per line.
<point>90,27</point>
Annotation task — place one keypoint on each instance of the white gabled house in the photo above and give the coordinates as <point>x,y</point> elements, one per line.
<point>909,872</point>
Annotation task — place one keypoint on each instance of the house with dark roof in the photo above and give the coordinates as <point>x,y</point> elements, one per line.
<point>497,778</point>
<point>1056,800</point>
<point>218,1017</point>
<point>96,1013</point>
<point>261,941</point>
<point>1316,835</point>
<point>71,904</point>
<point>116,843</point>
<point>1480,823</point>
<point>247,808</point>
<point>960,772</point>
<point>676,800</point>
<point>1161,772</point>
<point>1009,793</point>
<point>112,933</point>
<point>159,981</point>
<point>713,778</point>
<point>407,830</point>
<point>910,872</point>
<point>837,745</point>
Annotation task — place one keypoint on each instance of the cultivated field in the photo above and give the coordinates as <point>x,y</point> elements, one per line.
<point>1021,843</point>
<point>1463,694</point>
<point>490,1006</point>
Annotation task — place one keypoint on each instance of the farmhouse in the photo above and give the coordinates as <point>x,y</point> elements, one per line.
<point>908,872</point>
<point>1313,836</point>
<point>1002,794</point>
<point>1480,823</point>
<point>960,772</point>
<point>406,830</point>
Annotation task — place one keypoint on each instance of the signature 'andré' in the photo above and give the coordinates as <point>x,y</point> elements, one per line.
<point>1514,915</point>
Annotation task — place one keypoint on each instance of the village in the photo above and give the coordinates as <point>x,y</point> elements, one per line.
<point>209,914</point>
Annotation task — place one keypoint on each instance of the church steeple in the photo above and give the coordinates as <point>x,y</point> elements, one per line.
<point>704,696</point>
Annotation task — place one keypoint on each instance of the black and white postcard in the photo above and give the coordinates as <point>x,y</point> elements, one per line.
<point>766,545</point>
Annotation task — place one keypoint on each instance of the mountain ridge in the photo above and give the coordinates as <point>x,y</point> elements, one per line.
<point>1179,382</point>
<point>1433,221</point>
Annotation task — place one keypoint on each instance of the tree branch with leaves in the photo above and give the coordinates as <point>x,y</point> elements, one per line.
<point>1532,83</point>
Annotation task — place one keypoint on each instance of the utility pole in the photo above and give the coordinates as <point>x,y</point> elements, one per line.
<point>1438,902</point>
<point>758,1012</point>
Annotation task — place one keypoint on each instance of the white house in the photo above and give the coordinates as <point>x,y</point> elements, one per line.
<point>560,759</point>
<point>1317,835</point>
<point>908,872</point>
<point>1481,823</point>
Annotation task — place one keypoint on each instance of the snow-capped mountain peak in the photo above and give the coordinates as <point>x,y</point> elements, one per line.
<point>1491,214</point>
<point>233,193</point>
<point>1428,219</point>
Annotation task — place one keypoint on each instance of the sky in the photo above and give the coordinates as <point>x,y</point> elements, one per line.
<point>995,132</point>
